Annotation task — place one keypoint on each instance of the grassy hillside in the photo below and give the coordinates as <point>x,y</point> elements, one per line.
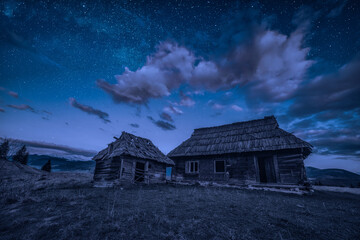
<point>65,206</point>
<point>333,177</point>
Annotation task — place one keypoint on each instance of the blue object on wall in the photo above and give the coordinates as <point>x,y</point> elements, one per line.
<point>168,173</point>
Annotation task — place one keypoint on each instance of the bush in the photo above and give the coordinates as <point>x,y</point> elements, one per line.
<point>21,156</point>
<point>4,150</point>
<point>47,166</point>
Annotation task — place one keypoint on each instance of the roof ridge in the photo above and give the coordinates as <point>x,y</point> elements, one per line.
<point>130,144</point>
<point>238,123</point>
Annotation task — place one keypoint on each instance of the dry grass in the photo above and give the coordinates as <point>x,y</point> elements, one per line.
<point>62,207</point>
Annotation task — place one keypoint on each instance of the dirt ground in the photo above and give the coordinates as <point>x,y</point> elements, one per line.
<point>66,206</point>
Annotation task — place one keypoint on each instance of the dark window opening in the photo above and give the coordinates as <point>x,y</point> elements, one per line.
<point>219,166</point>
<point>192,167</point>
<point>139,172</point>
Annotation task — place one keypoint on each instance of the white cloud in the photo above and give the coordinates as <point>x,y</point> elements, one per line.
<point>236,108</point>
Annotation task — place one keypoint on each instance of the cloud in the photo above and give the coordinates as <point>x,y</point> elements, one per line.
<point>47,112</point>
<point>216,106</point>
<point>162,124</point>
<point>273,65</point>
<point>51,146</point>
<point>172,110</point>
<point>328,140</point>
<point>166,116</point>
<point>196,92</point>
<point>164,71</point>
<point>13,94</point>
<point>10,93</point>
<point>134,125</point>
<point>337,10</point>
<point>22,107</point>
<point>336,92</point>
<point>2,110</point>
<point>88,109</point>
<point>331,135</point>
<point>304,123</point>
<point>186,101</point>
<point>269,64</point>
<point>236,108</point>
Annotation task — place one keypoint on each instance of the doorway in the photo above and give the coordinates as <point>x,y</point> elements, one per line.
<point>139,172</point>
<point>266,170</point>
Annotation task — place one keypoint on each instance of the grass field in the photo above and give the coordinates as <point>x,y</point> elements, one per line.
<point>60,207</point>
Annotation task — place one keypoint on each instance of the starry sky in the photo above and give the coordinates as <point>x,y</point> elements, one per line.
<point>77,73</point>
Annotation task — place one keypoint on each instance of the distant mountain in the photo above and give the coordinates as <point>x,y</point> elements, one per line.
<point>61,164</point>
<point>50,149</point>
<point>333,177</point>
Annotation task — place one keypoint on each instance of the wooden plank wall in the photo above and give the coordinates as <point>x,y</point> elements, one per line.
<point>109,170</point>
<point>291,165</point>
<point>103,170</point>
<point>240,168</point>
<point>155,173</point>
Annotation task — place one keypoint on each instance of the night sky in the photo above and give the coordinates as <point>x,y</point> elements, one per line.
<point>77,73</point>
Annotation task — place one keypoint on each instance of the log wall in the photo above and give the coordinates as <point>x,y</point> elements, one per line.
<point>291,167</point>
<point>122,169</point>
<point>241,168</point>
<point>238,168</point>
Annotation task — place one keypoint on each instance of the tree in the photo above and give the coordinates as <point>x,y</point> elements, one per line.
<point>4,150</point>
<point>21,155</point>
<point>47,166</point>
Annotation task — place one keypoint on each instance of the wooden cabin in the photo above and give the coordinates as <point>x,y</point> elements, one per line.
<point>250,152</point>
<point>131,159</point>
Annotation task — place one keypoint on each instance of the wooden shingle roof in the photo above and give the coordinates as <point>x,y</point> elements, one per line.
<point>250,136</point>
<point>131,145</point>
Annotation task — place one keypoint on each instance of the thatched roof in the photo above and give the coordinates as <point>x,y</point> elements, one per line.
<point>250,136</point>
<point>131,145</point>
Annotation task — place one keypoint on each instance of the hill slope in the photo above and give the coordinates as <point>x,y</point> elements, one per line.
<point>333,177</point>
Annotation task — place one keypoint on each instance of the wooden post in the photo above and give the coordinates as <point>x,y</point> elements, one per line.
<point>276,167</point>
<point>133,171</point>
<point>256,169</point>
<point>146,172</point>
<point>121,168</point>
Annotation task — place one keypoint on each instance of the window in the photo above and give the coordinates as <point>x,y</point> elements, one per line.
<point>192,167</point>
<point>219,166</point>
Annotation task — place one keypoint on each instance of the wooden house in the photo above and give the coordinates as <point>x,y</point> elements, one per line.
<point>250,152</point>
<point>131,159</point>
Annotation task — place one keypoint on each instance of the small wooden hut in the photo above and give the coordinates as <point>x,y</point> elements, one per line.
<point>250,152</point>
<point>131,159</point>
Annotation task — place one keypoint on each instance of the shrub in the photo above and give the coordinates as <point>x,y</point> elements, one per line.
<point>4,150</point>
<point>21,155</point>
<point>47,166</point>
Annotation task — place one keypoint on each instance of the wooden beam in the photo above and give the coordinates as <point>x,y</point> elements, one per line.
<point>146,172</point>
<point>256,169</point>
<point>121,167</point>
<point>133,171</point>
<point>276,167</point>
